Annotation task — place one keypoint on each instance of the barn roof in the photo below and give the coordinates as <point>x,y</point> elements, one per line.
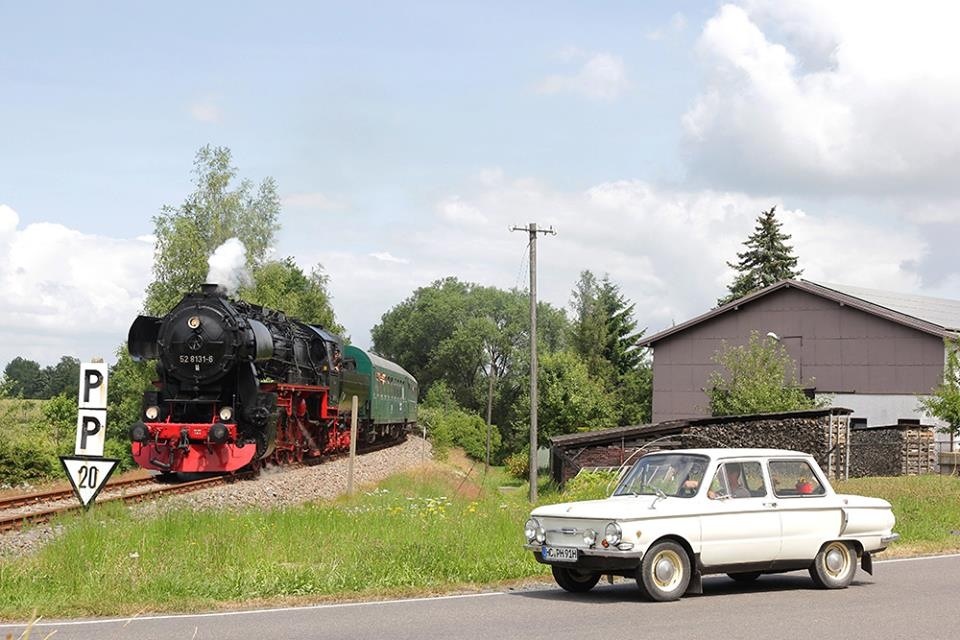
<point>936,316</point>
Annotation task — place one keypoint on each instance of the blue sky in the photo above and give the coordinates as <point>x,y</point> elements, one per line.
<point>407,137</point>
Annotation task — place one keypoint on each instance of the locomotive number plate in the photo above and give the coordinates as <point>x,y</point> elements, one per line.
<point>558,554</point>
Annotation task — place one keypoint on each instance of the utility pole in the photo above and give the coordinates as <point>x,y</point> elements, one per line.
<point>533,231</point>
<point>486,466</point>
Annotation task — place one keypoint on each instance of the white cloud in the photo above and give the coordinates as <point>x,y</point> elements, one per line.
<point>67,292</point>
<point>836,97</point>
<point>386,256</point>
<point>667,248</point>
<point>457,211</point>
<point>314,200</point>
<point>206,110</point>
<point>602,76</point>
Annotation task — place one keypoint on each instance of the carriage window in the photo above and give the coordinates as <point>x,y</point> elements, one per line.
<point>794,478</point>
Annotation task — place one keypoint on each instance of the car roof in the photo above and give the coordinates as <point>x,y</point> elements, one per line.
<point>738,452</point>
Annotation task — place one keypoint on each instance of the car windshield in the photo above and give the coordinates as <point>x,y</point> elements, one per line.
<point>664,474</point>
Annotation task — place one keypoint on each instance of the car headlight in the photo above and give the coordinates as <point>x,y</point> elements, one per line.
<point>152,413</point>
<point>530,529</point>
<point>612,534</point>
<point>226,414</point>
<point>590,537</point>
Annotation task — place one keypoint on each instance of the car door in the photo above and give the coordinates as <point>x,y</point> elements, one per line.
<point>809,513</point>
<point>739,525</point>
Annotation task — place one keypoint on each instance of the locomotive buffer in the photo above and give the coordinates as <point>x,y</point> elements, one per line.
<point>87,469</point>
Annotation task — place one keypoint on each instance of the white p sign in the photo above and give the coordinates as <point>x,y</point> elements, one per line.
<point>92,416</point>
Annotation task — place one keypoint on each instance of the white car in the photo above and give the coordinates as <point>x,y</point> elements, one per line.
<point>678,515</point>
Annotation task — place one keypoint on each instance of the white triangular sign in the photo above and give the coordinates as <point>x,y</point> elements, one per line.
<point>88,475</point>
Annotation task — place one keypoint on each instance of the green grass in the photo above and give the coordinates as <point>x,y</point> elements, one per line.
<point>927,509</point>
<point>412,534</point>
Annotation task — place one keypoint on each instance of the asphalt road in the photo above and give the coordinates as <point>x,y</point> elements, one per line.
<point>904,599</point>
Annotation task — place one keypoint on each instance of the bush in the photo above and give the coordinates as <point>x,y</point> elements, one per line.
<point>448,424</point>
<point>23,460</point>
<point>590,485</point>
<point>518,464</point>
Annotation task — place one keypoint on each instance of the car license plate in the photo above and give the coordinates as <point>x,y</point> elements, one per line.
<point>558,554</point>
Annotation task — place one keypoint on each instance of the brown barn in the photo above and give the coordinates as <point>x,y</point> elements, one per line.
<point>872,351</point>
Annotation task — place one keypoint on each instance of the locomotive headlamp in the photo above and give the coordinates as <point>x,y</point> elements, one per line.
<point>194,322</point>
<point>226,414</point>
<point>152,412</point>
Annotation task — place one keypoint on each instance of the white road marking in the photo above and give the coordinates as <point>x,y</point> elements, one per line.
<point>216,614</point>
<point>892,560</point>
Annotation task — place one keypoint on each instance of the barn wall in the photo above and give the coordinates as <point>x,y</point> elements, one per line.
<point>837,349</point>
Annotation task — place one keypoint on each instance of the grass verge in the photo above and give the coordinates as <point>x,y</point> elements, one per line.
<point>419,532</point>
<point>927,510</point>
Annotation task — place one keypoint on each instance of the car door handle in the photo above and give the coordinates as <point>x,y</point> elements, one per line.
<point>770,504</point>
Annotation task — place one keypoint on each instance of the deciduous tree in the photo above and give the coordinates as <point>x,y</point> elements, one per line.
<point>281,284</point>
<point>570,400</point>
<point>944,401</point>
<point>216,211</point>
<point>758,377</point>
<point>461,333</point>
<point>24,378</point>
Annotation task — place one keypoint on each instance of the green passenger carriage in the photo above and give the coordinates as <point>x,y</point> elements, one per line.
<point>386,393</point>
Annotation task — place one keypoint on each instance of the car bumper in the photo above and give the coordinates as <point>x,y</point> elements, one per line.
<point>594,559</point>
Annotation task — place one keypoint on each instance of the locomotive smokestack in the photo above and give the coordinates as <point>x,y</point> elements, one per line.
<point>211,289</point>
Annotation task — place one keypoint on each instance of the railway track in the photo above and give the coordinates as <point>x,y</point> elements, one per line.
<point>19,511</point>
<point>34,508</point>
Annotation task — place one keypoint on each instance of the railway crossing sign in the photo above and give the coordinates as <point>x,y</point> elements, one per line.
<point>88,470</point>
<point>88,475</point>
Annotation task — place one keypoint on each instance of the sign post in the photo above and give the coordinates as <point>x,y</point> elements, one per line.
<point>87,469</point>
<point>353,445</point>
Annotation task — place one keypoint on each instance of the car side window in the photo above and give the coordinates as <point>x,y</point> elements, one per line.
<point>737,480</point>
<point>794,478</point>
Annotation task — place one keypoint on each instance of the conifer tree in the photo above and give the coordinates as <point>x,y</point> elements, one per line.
<point>767,259</point>
<point>604,335</point>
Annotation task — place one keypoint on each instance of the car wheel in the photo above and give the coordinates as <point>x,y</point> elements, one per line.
<point>575,581</point>
<point>664,574</point>
<point>835,566</point>
<point>746,576</point>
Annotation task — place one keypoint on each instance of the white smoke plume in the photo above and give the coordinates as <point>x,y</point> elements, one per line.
<point>228,267</point>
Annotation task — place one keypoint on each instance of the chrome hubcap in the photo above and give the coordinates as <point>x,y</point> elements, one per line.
<point>836,560</point>
<point>667,570</point>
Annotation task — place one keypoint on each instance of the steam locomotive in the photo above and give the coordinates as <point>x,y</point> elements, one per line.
<point>239,385</point>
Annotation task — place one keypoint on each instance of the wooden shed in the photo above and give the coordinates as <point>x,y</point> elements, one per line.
<point>823,433</point>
